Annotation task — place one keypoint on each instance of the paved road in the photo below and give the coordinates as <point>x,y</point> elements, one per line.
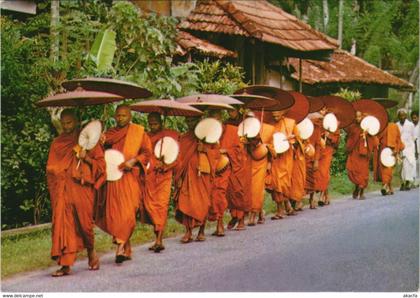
<point>370,245</point>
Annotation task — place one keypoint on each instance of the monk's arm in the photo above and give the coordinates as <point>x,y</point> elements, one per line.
<point>145,153</point>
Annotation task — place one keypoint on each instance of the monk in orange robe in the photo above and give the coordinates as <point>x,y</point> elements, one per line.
<point>314,141</point>
<point>72,183</point>
<point>282,164</point>
<point>359,146</point>
<point>297,185</point>
<point>390,137</point>
<point>327,145</point>
<point>193,176</point>
<point>230,149</point>
<point>238,191</point>
<point>158,184</point>
<point>118,205</point>
<point>259,172</point>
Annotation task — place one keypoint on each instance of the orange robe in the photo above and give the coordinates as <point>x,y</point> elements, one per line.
<point>158,186</point>
<point>229,141</point>
<point>324,155</point>
<point>72,192</point>
<point>193,188</point>
<point>239,188</point>
<point>117,208</point>
<point>282,165</point>
<point>357,164</point>
<point>259,171</point>
<point>314,140</point>
<point>297,186</point>
<point>389,137</point>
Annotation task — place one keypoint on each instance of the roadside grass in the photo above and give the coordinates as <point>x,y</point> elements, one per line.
<point>30,250</point>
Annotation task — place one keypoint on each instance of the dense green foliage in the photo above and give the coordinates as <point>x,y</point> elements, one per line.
<point>145,46</point>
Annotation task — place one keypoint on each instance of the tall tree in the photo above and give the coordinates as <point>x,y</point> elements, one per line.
<point>326,14</point>
<point>340,23</point>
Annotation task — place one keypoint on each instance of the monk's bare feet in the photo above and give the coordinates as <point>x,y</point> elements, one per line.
<point>153,247</point>
<point>200,237</point>
<point>361,195</point>
<point>251,221</point>
<point>277,217</point>
<point>187,237</point>
<point>64,270</point>
<point>261,218</point>
<point>93,260</point>
<point>241,224</point>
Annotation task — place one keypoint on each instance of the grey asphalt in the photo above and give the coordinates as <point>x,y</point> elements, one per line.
<point>351,246</point>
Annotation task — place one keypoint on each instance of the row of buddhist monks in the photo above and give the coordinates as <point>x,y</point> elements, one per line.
<point>81,196</point>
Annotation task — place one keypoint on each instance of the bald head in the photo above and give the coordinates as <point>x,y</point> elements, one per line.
<point>155,122</point>
<point>123,115</point>
<point>277,115</point>
<point>69,121</point>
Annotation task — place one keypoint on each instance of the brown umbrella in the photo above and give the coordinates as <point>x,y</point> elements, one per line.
<point>315,104</point>
<point>196,99</point>
<point>255,102</point>
<point>121,88</point>
<point>166,107</point>
<point>300,108</point>
<point>210,106</point>
<point>386,103</point>
<point>284,99</point>
<point>79,97</point>
<point>342,109</point>
<point>372,108</point>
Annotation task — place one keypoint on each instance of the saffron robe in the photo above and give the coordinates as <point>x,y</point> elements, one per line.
<point>72,191</point>
<point>389,137</point>
<point>314,140</point>
<point>259,171</point>
<point>194,188</point>
<point>282,164</point>
<point>121,199</point>
<point>158,185</point>
<point>240,179</point>
<point>357,164</point>
<point>324,155</point>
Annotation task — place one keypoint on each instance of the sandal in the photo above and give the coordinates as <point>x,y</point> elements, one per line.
<point>276,217</point>
<point>232,223</point>
<point>240,228</point>
<point>94,265</point>
<point>251,224</point>
<point>200,238</point>
<point>261,221</point>
<point>153,247</point>
<point>62,272</point>
<point>186,240</point>
<point>159,248</point>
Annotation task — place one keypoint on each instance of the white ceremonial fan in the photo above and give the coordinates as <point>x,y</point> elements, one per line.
<point>305,128</point>
<point>370,124</point>
<point>281,144</point>
<point>249,128</point>
<point>90,134</point>
<point>209,130</point>
<point>330,122</point>
<point>167,149</point>
<point>113,158</point>
<point>387,157</point>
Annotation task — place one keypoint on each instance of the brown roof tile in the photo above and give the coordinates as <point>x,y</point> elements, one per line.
<point>345,68</point>
<point>258,19</point>
<point>187,42</point>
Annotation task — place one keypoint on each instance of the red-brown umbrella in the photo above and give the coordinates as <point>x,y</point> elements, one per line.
<point>166,107</point>
<point>315,104</point>
<point>121,88</point>
<point>196,99</point>
<point>342,109</point>
<point>372,108</point>
<point>79,97</point>
<point>255,102</point>
<point>300,108</point>
<point>284,99</point>
<point>386,103</point>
